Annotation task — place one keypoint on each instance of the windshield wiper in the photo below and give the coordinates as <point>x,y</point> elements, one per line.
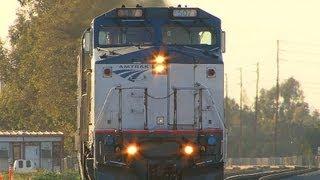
<point>114,51</point>
<point>213,49</point>
<point>205,52</point>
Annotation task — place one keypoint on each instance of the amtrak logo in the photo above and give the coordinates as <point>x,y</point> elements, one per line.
<point>130,74</point>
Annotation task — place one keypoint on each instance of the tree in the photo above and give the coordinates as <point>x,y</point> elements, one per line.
<point>298,129</point>
<point>40,70</point>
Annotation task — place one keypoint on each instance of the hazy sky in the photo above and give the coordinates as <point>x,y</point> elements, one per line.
<point>7,16</point>
<point>252,30</point>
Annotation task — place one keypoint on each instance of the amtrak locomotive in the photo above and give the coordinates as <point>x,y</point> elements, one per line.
<point>150,98</point>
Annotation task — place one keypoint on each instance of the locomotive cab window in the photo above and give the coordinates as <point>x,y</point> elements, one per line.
<point>178,35</point>
<point>125,36</point>
<point>205,37</point>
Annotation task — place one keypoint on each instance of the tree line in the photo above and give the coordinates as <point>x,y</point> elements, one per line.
<point>298,127</point>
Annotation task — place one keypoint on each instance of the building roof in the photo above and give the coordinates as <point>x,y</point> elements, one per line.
<point>30,133</point>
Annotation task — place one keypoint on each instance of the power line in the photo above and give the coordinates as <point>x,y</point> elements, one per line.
<point>227,97</point>
<point>298,61</point>
<point>244,66</point>
<point>299,51</point>
<point>300,43</point>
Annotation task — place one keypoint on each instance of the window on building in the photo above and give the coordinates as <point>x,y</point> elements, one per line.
<point>56,153</point>
<point>45,153</point>
<point>46,148</point>
<point>4,150</point>
<point>16,151</point>
<point>4,154</point>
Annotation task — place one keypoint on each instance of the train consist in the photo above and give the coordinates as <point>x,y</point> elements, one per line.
<point>150,97</point>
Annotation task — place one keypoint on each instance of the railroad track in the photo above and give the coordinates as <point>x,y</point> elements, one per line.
<point>288,174</point>
<point>272,174</point>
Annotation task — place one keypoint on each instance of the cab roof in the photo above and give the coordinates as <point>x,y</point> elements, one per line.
<point>155,13</point>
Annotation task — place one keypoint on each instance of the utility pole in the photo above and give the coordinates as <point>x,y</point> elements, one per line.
<point>226,102</point>
<point>256,112</point>
<point>276,115</point>
<point>226,109</point>
<point>240,115</point>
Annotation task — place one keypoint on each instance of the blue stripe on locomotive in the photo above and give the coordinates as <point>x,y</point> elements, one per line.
<point>156,17</point>
<point>180,55</point>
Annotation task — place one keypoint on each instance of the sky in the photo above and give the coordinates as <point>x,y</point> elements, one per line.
<point>7,16</point>
<point>253,28</point>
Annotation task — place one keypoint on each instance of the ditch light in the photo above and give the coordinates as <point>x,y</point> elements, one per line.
<point>188,150</point>
<point>132,149</point>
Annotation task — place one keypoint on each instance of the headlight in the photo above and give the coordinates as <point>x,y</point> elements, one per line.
<point>132,149</point>
<point>160,59</point>
<point>188,150</point>
<point>159,68</point>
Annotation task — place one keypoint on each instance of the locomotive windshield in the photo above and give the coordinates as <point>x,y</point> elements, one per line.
<point>182,35</point>
<point>125,36</point>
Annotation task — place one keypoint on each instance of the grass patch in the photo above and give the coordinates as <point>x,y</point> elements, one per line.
<point>45,175</point>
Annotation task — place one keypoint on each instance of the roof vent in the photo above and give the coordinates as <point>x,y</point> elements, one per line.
<point>179,6</point>
<point>138,6</point>
<point>123,6</point>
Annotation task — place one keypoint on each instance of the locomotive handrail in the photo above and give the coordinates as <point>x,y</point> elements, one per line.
<point>219,117</point>
<point>201,87</point>
<point>105,102</point>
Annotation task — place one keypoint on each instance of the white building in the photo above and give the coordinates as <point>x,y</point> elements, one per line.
<point>45,149</point>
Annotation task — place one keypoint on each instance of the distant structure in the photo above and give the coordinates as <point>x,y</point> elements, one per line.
<point>44,149</point>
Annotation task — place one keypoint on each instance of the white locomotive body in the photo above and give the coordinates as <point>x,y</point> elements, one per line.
<point>151,95</point>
